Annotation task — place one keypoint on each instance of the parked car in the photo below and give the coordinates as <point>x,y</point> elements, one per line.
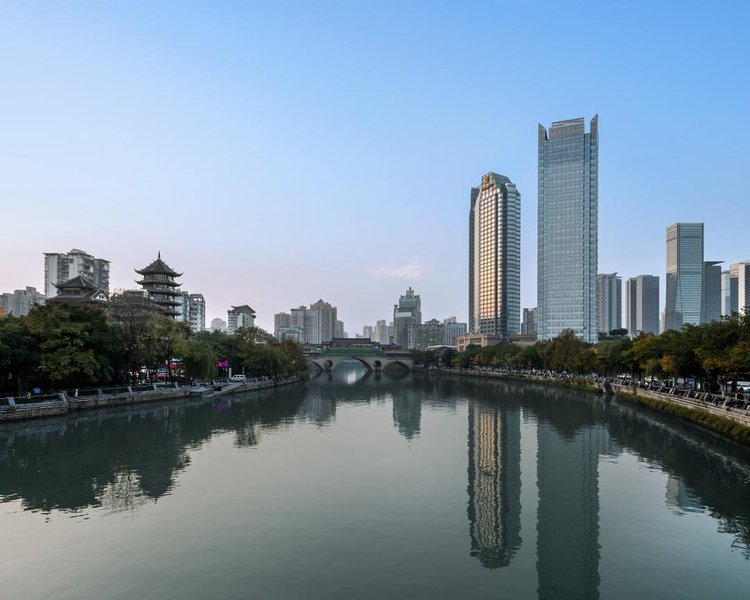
<point>240,377</point>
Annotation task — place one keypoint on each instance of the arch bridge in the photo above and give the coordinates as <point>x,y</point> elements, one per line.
<point>372,355</point>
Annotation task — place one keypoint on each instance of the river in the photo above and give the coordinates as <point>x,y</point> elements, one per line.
<point>362,486</point>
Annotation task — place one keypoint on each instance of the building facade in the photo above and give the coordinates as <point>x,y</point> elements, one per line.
<point>528,324</point>
<point>240,316</point>
<point>726,295</point>
<point>19,302</point>
<point>382,333</point>
<point>453,329</point>
<point>495,257</point>
<point>711,300</point>
<point>642,304</point>
<point>739,287</point>
<point>406,314</point>
<point>429,333</point>
<point>61,267</point>
<point>684,275</point>
<point>567,234</point>
<point>320,322</point>
<point>608,302</point>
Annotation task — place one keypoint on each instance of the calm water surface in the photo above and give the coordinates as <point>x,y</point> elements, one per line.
<point>361,487</point>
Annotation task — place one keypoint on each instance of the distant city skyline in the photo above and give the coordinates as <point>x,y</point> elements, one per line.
<point>272,153</point>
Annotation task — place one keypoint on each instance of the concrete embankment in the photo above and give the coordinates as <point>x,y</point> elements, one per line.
<point>705,410</point>
<point>62,403</point>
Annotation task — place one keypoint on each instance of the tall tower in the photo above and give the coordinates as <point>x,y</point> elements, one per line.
<point>568,220</point>
<point>159,280</point>
<point>711,301</point>
<point>642,304</point>
<point>685,270</point>
<point>495,257</point>
<point>406,314</point>
<point>608,302</point>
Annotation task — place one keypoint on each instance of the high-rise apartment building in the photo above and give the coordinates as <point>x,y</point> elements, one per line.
<point>495,257</point>
<point>61,267</point>
<point>281,320</point>
<point>320,323</point>
<point>20,302</point>
<point>340,333</point>
<point>608,302</point>
<point>642,304</point>
<point>382,333</point>
<point>240,316</point>
<point>406,313</point>
<point>739,287</point>
<point>711,300</point>
<point>197,312</point>
<point>685,269</point>
<point>567,235</point>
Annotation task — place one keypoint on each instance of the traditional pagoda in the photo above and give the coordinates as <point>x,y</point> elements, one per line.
<point>159,281</point>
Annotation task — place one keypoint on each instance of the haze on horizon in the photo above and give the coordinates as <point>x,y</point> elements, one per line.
<point>277,153</point>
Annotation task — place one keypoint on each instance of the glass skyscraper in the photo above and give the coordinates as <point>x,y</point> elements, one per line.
<point>495,257</point>
<point>685,270</point>
<point>568,229</point>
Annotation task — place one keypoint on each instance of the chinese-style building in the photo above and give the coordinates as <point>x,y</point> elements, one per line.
<point>79,289</point>
<point>158,279</point>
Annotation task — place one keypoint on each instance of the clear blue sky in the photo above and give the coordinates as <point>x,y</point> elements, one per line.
<point>280,152</point>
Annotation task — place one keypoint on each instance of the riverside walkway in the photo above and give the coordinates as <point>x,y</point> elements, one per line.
<point>61,403</point>
<point>731,408</point>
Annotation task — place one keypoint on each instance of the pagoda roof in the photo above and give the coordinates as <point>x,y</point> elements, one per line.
<point>80,282</point>
<point>79,289</point>
<point>160,267</point>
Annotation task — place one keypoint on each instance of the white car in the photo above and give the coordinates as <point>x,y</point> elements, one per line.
<point>241,377</point>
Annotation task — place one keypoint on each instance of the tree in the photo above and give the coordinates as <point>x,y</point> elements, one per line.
<point>19,355</point>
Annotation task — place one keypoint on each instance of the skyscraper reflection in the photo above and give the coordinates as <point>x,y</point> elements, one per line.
<point>568,513</point>
<point>494,483</point>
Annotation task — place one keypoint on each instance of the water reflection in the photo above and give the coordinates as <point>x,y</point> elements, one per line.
<point>494,482</point>
<point>118,460</point>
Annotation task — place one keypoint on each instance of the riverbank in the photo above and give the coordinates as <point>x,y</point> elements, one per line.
<point>54,405</point>
<point>720,419</point>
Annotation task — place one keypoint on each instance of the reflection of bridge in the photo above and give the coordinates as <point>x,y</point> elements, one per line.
<point>372,355</point>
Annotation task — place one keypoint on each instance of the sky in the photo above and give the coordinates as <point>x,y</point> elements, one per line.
<point>284,151</point>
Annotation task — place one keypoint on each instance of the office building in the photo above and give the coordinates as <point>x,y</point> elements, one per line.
<point>453,329</point>
<point>567,232</point>
<point>608,302</point>
<point>739,287</point>
<point>684,275</point>
<point>240,316</point>
<point>495,257</point>
<point>726,295</point>
<point>711,301</point>
<point>61,267</point>
<point>406,314</point>
<point>19,302</point>
<point>642,304</point>
<point>528,324</point>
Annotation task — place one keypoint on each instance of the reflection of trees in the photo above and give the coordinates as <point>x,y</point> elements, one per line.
<point>119,458</point>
